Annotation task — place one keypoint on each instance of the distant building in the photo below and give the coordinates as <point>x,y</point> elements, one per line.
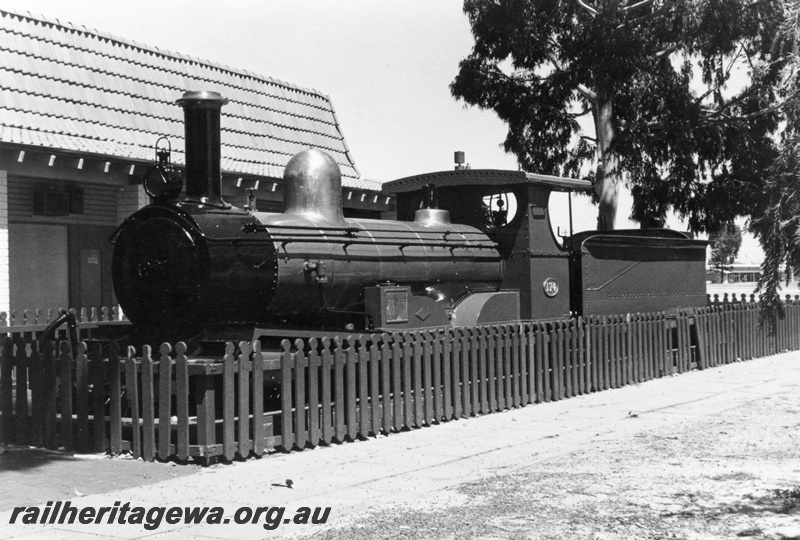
<point>737,273</point>
<point>80,114</point>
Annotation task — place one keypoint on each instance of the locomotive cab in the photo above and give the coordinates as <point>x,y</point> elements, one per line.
<point>511,208</point>
<point>591,273</point>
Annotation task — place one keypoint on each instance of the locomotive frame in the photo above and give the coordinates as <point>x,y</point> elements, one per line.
<point>200,268</point>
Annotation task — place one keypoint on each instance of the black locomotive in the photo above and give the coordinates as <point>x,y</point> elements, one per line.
<point>455,257</point>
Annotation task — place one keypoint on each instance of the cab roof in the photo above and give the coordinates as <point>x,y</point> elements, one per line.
<point>492,177</point>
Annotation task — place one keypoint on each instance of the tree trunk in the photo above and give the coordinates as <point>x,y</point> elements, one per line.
<point>607,181</point>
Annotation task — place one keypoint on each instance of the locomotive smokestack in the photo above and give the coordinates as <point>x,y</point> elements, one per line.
<point>203,148</point>
<point>313,188</point>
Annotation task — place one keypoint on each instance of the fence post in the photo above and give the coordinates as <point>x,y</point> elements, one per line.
<point>559,365</point>
<point>496,370</point>
<point>442,351</point>
<point>454,360</point>
<point>314,363</point>
<point>65,387</point>
<point>483,389</point>
<point>132,393</point>
<point>386,382</point>
<point>427,375</point>
<point>522,360</point>
<point>164,401</point>
<point>97,375</point>
<point>204,398</point>
<point>438,385</point>
<point>228,404</point>
<point>375,401</point>
<point>397,381</point>
<point>36,382</point>
<point>115,399</point>
<point>504,349</point>
<point>6,385</point>
<point>363,389</point>
<point>351,384</point>
<point>339,384</point>
<point>49,393</point>
<point>243,405</point>
<point>257,382</point>
<point>545,361</point>
<point>574,359</point>
<point>590,354</point>
<point>82,398</point>
<point>182,399</point>
<point>300,364</point>
<point>628,350</point>
<point>699,318</point>
<point>487,345</point>
<point>287,416</point>
<point>604,334</point>
<point>464,364</point>
<point>616,357</point>
<point>407,364</point>
<point>419,402</point>
<point>22,426</point>
<point>326,366</point>
<point>634,329</point>
<point>148,406</point>
<point>512,338</point>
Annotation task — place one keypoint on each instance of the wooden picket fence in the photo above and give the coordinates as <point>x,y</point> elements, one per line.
<point>32,318</point>
<point>165,405</point>
<point>725,298</point>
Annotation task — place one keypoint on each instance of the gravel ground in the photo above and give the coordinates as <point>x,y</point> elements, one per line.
<point>736,475</point>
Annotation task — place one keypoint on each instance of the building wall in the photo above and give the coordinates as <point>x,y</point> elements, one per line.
<point>64,259</point>
<point>129,200</point>
<point>99,202</point>
<point>5,295</point>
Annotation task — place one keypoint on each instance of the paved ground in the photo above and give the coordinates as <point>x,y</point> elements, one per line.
<point>30,476</point>
<point>369,475</point>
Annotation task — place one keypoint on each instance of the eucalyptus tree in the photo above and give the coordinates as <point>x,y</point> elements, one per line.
<point>725,244</point>
<point>778,229</point>
<point>657,78</point>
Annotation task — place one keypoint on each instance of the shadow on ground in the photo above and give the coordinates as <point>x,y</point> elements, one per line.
<point>30,476</point>
<point>19,458</point>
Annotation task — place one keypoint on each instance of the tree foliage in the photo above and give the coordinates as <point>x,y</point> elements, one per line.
<point>725,244</point>
<point>655,77</point>
<point>778,229</point>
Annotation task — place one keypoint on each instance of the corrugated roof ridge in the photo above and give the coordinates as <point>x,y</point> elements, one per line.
<point>371,184</point>
<point>163,102</point>
<point>149,133</point>
<point>268,163</point>
<point>245,147</point>
<point>195,77</point>
<point>163,52</point>
<point>133,149</point>
<point>88,103</point>
<point>277,124</point>
<point>344,141</point>
<point>159,117</point>
<point>65,117</point>
<point>75,135</point>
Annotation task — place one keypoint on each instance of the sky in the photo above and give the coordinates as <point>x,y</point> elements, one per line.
<point>386,65</point>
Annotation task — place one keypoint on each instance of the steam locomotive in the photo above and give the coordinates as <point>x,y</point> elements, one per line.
<point>458,255</point>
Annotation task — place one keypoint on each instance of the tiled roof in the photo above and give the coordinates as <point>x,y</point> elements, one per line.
<point>64,86</point>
